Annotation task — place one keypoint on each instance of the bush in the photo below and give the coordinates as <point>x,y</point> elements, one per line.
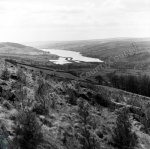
<point>43,98</point>
<point>21,77</point>
<point>146,121</point>
<point>92,86</point>
<point>16,85</point>
<point>135,102</point>
<point>42,90</point>
<point>41,108</point>
<point>3,141</point>
<point>123,137</point>
<point>7,105</point>
<point>86,127</point>
<point>99,79</point>
<point>28,131</point>
<point>5,74</point>
<point>101,100</point>
<point>72,99</point>
<point>34,76</point>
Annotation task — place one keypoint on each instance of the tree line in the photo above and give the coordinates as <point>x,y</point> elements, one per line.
<point>135,84</point>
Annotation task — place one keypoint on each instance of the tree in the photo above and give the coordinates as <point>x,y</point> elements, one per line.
<point>87,138</point>
<point>99,79</point>
<point>21,77</point>
<point>123,137</point>
<point>45,100</point>
<point>72,99</point>
<point>28,132</point>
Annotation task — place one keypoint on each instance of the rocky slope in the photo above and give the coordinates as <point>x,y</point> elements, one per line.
<point>68,114</point>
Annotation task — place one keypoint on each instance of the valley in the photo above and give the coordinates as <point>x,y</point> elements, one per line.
<point>68,102</point>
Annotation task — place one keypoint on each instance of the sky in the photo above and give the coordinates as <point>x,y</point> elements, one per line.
<point>53,20</point>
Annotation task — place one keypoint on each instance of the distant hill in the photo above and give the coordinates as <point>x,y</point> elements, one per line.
<point>100,48</point>
<point>15,48</point>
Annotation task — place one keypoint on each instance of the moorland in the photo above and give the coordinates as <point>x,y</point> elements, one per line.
<point>48,106</point>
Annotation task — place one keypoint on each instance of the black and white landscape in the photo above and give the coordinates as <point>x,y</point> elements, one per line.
<point>74,74</point>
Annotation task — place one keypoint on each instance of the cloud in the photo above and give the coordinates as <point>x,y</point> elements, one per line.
<point>136,5</point>
<point>46,16</point>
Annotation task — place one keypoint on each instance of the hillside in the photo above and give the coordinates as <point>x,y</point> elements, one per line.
<point>45,111</point>
<point>15,48</point>
<point>102,49</point>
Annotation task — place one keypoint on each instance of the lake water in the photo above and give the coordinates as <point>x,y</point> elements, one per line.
<point>69,56</point>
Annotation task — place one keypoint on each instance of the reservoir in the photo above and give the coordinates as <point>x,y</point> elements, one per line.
<point>66,56</point>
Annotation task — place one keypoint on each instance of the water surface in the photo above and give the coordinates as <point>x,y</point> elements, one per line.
<point>66,56</point>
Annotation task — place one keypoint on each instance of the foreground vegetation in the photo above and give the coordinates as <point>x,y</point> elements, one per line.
<point>39,111</point>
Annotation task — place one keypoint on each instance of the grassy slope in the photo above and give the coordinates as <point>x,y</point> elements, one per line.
<point>15,48</point>
<point>63,114</point>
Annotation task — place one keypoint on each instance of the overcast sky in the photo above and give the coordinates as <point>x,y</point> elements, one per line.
<point>46,20</point>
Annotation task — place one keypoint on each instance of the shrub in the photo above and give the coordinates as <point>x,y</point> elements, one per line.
<point>3,141</point>
<point>13,114</point>
<point>7,105</point>
<point>34,76</point>
<point>135,102</point>
<point>21,77</point>
<point>146,121</point>
<point>72,97</point>
<point>101,100</point>
<point>42,90</point>
<point>92,86</point>
<point>123,137</point>
<point>5,74</point>
<point>67,135</point>
<point>28,132</point>
<point>99,79</point>
<point>86,127</point>
<point>8,95</point>
<point>16,85</point>
<point>21,96</point>
<point>41,108</point>
<point>43,98</point>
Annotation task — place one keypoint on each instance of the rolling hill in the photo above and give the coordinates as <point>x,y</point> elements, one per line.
<point>102,49</point>
<point>15,48</point>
